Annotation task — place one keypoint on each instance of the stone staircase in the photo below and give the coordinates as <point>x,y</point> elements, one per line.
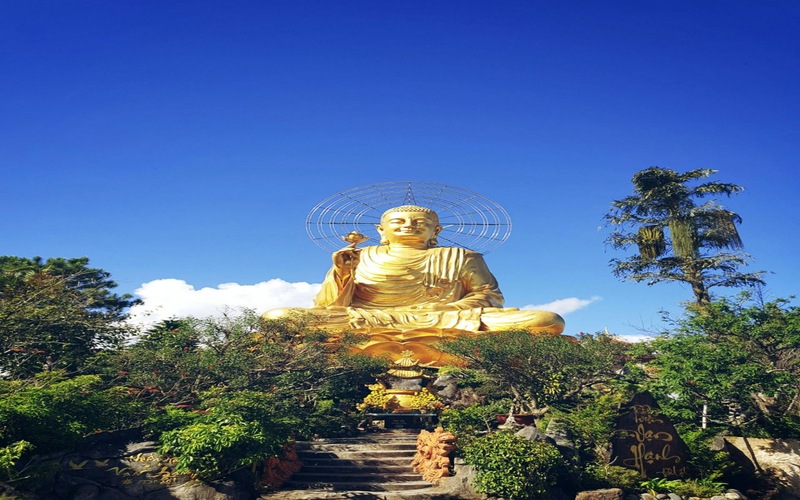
<point>375,465</point>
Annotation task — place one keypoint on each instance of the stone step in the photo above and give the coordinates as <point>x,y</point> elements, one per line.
<point>341,462</point>
<point>354,486</point>
<point>354,454</point>
<point>334,447</point>
<point>355,476</point>
<point>374,465</point>
<point>370,438</point>
<point>342,467</point>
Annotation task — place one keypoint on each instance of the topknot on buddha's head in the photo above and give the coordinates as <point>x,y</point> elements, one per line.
<point>412,208</point>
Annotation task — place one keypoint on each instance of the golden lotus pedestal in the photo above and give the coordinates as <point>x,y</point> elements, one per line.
<point>410,353</point>
<point>421,342</point>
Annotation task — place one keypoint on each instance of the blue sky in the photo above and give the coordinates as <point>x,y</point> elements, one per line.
<point>187,140</point>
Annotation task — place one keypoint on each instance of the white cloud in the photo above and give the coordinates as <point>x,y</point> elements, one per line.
<point>564,306</point>
<point>173,298</point>
<point>170,298</point>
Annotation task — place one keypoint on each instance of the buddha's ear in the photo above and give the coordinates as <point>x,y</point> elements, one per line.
<point>437,230</point>
<point>383,240</point>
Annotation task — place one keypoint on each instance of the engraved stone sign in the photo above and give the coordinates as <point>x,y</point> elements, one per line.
<point>645,440</point>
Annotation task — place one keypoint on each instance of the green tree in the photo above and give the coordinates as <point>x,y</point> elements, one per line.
<point>676,238</point>
<point>56,314</point>
<point>175,362</point>
<point>734,363</point>
<point>537,371</point>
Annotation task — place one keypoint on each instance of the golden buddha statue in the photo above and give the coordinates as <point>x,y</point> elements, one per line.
<point>408,293</point>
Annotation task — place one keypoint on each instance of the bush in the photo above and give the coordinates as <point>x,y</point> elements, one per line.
<point>697,487</point>
<point>472,421</point>
<point>8,459</point>
<point>704,462</point>
<point>166,419</point>
<point>55,414</point>
<point>513,467</point>
<point>596,476</point>
<point>219,445</point>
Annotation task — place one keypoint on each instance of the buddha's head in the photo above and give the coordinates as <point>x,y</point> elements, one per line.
<point>409,225</point>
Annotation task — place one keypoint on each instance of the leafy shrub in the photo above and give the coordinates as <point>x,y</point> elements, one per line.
<point>596,476</point>
<point>55,414</point>
<point>472,421</point>
<point>513,467</point>
<point>219,445</point>
<point>697,487</point>
<point>8,459</point>
<point>704,462</point>
<point>327,419</point>
<point>684,487</point>
<point>167,419</point>
<point>592,422</point>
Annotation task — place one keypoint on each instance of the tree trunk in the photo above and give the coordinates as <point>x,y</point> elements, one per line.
<point>695,278</point>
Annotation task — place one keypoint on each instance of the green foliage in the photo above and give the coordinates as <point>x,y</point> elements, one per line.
<point>56,314</point>
<point>167,418</point>
<point>685,487</point>
<point>735,360</point>
<point>175,362</point>
<point>56,414</point>
<point>472,421</point>
<point>677,239</point>
<point>704,462</point>
<point>591,423</point>
<point>220,444</point>
<point>513,467</point>
<point>656,485</point>
<point>601,475</point>
<point>536,371</point>
<point>9,455</point>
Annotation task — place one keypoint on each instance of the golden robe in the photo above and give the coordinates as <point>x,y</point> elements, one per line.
<point>411,289</point>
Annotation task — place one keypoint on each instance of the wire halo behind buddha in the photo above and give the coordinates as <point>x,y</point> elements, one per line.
<point>468,219</point>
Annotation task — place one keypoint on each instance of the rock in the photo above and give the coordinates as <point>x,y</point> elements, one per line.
<point>102,468</point>
<point>733,494</point>
<point>643,417</point>
<point>718,442</point>
<point>531,433</point>
<point>778,457</point>
<point>674,496</point>
<point>604,494</point>
<point>718,497</point>
<point>647,496</point>
<point>214,491</point>
<point>460,484</point>
<point>560,435</point>
<point>446,387</point>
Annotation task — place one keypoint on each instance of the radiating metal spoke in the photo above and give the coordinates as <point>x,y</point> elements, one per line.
<point>469,220</point>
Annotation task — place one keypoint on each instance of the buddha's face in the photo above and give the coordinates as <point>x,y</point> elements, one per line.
<point>414,229</point>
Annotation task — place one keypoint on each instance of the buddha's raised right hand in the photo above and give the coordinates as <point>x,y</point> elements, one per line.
<point>346,259</point>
